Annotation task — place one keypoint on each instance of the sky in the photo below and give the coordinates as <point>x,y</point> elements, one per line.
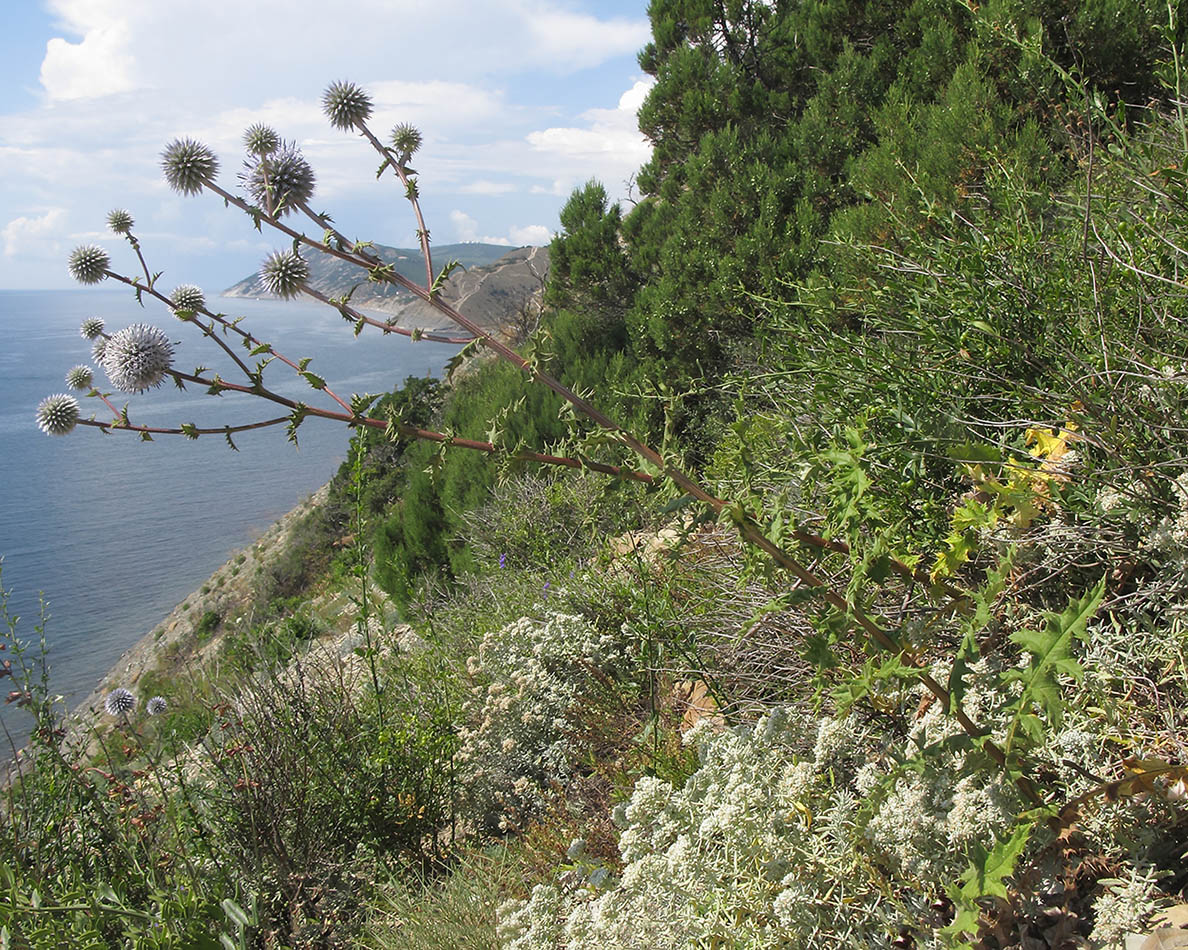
<point>518,102</point>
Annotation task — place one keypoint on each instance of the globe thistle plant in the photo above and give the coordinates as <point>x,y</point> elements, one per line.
<point>137,358</point>
<point>91,328</point>
<point>99,349</point>
<point>88,264</point>
<point>284,274</point>
<point>80,378</point>
<point>187,297</point>
<point>260,139</point>
<point>156,706</point>
<point>57,414</point>
<point>281,182</point>
<point>188,165</point>
<point>119,702</point>
<point>346,105</point>
<point>120,221</point>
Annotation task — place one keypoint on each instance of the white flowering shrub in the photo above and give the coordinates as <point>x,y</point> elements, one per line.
<point>519,719</point>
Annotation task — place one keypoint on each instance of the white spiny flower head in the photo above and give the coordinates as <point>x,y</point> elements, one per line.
<point>260,139</point>
<point>80,378</point>
<point>120,221</point>
<point>119,702</point>
<point>187,297</point>
<point>137,358</point>
<point>346,105</point>
<point>57,414</point>
<point>98,349</point>
<point>88,264</point>
<point>91,328</point>
<point>285,177</point>
<point>284,274</point>
<point>156,706</point>
<point>188,165</point>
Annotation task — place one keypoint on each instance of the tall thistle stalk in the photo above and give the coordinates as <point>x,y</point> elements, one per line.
<point>277,185</point>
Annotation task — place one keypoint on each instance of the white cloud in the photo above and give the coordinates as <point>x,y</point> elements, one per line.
<point>21,232</point>
<point>483,186</point>
<point>466,229</point>
<point>101,63</point>
<point>579,40</point>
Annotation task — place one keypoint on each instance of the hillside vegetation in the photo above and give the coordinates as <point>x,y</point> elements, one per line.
<point>904,289</point>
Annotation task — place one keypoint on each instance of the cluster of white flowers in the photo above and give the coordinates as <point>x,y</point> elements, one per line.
<point>528,678</point>
<point>749,852</point>
<point>1124,907</point>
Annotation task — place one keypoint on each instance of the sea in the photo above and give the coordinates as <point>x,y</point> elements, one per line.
<point>101,535</point>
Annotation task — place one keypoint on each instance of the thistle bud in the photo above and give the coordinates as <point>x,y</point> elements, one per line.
<point>119,221</point>
<point>346,105</point>
<point>187,297</point>
<point>119,702</point>
<point>80,378</point>
<point>260,139</point>
<point>284,274</point>
<point>137,358</point>
<point>188,165</point>
<point>286,178</point>
<point>91,328</point>
<point>88,264</point>
<point>57,414</point>
<point>406,140</point>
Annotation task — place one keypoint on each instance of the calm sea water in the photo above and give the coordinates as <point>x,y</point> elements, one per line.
<point>114,531</point>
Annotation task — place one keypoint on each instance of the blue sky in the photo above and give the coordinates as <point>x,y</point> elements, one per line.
<point>519,101</point>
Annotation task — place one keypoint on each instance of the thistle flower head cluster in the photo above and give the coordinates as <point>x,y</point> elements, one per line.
<point>88,264</point>
<point>119,221</point>
<point>346,105</point>
<point>284,274</point>
<point>91,328</point>
<point>99,349</point>
<point>137,358</point>
<point>406,140</point>
<point>282,181</point>
<point>188,165</point>
<point>57,414</point>
<point>260,139</point>
<point>187,297</point>
<point>156,706</point>
<point>119,702</point>
<point>80,378</point>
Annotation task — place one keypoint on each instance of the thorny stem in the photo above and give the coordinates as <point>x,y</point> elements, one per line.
<point>348,311</point>
<point>410,193</point>
<point>747,527</point>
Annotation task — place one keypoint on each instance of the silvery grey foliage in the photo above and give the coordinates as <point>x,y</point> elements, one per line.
<point>88,264</point>
<point>137,358</point>
<point>188,165</point>
<point>57,414</point>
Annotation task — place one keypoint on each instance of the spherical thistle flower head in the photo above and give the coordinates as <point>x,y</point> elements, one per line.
<point>406,139</point>
<point>188,165</point>
<point>187,297</point>
<point>284,274</point>
<point>57,414</point>
<point>91,328</point>
<point>119,221</point>
<point>156,706</point>
<point>346,105</point>
<point>286,177</point>
<point>99,349</point>
<point>119,702</point>
<point>260,139</point>
<point>137,358</point>
<point>88,264</point>
<point>80,378</point>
